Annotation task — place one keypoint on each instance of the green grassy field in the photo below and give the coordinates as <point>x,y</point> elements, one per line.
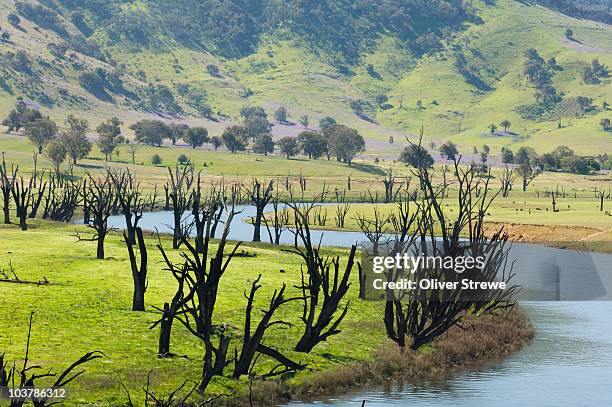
<point>86,307</point>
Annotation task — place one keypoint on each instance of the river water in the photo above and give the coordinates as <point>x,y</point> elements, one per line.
<point>569,362</point>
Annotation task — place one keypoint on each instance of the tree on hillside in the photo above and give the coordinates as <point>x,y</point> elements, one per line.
<point>605,124</point>
<point>449,151</point>
<point>100,197</point>
<point>505,124</point>
<point>569,34</point>
<point>21,116</point>
<point>249,112</point>
<point>304,121</point>
<point>74,138</point>
<point>264,144</point>
<point>344,142</point>
<point>109,136</point>
<point>525,155</point>
<point>416,156</point>
<point>312,144</point>
<point>196,136</point>
<point>213,70</point>
<point>281,114</point>
<point>150,132</point>
<point>255,126</point>
<point>14,19</point>
<point>232,138</point>
<point>40,132</point>
<point>381,99</point>
<point>326,122</point>
<point>492,128</point>
<point>288,146</point>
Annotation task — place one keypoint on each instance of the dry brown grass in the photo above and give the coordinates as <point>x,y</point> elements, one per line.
<point>481,340</point>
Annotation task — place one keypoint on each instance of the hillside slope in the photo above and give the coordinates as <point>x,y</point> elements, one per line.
<point>469,76</point>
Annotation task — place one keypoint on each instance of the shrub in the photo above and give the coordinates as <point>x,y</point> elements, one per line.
<point>182,159</point>
<point>156,159</point>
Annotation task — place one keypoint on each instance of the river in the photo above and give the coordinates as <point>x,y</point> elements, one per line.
<point>569,362</point>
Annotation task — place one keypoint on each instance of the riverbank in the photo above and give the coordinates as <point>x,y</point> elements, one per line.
<point>486,339</point>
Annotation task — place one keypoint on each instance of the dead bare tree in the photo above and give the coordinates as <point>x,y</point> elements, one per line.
<point>602,195</point>
<point>21,378</point>
<point>342,210</point>
<point>252,341</point>
<point>100,197</point>
<point>507,178</point>
<point>259,196</point>
<point>130,198</point>
<point>206,211</point>
<point>22,196</point>
<point>389,183</point>
<point>279,221</point>
<point>62,199</point>
<point>6,182</point>
<point>375,228</point>
<point>319,314</point>
<point>38,194</point>
<point>198,280</point>
<point>178,194</point>
<point>423,315</point>
<point>139,272</point>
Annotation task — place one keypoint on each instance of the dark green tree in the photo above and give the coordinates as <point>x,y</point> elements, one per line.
<point>109,136</point>
<point>196,136</point>
<point>232,138</point>
<point>41,131</point>
<point>416,156</point>
<point>264,144</point>
<point>288,146</point>
<point>449,151</point>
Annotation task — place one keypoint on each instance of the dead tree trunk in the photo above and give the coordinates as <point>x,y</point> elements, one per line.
<point>507,180</point>
<point>100,197</point>
<point>423,315</point>
<point>179,186</point>
<point>280,221</point>
<point>6,186</point>
<point>37,198</point>
<point>130,198</point>
<point>320,319</point>
<point>251,341</point>
<point>198,279</point>
<point>139,272</point>
<point>22,195</point>
<point>259,197</point>
<point>206,213</point>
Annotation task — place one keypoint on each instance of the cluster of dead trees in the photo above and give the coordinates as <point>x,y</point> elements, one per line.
<point>202,266</point>
<point>57,196</point>
<point>421,227</point>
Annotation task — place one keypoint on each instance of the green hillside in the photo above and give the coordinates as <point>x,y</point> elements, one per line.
<point>454,70</point>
